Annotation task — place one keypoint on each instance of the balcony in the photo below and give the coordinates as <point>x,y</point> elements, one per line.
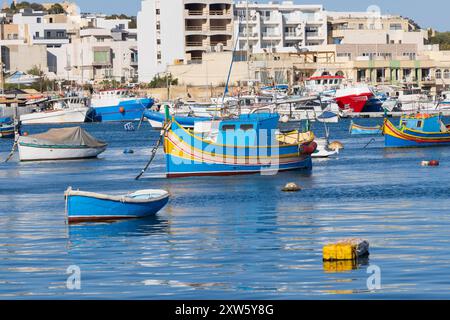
<point>220,13</point>
<point>50,41</point>
<point>195,13</point>
<point>267,35</point>
<point>195,45</point>
<point>293,35</point>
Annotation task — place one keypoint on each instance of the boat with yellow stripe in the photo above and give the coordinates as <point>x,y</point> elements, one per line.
<point>417,130</point>
<point>248,144</point>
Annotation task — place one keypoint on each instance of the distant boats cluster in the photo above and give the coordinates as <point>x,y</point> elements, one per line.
<point>265,133</point>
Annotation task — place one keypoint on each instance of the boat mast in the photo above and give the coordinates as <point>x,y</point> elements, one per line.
<point>247,29</point>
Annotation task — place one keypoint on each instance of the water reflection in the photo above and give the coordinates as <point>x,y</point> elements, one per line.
<point>78,233</point>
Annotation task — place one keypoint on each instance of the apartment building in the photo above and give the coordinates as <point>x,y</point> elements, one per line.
<point>181,31</point>
<point>373,28</point>
<point>97,55</point>
<point>279,26</point>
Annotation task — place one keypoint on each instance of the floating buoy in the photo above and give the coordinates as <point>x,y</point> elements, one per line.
<point>291,187</point>
<point>25,134</point>
<point>129,127</point>
<point>128,151</point>
<point>122,110</point>
<point>335,146</point>
<point>432,163</point>
<point>350,249</point>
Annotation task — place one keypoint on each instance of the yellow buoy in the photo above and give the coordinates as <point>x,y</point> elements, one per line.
<point>349,249</point>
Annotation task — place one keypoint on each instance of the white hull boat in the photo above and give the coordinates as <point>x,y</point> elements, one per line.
<point>75,115</point>
<point>60,144</point>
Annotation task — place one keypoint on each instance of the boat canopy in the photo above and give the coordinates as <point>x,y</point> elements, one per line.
<point>75,136</point>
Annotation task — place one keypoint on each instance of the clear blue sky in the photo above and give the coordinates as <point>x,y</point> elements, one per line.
<point>427,13</point>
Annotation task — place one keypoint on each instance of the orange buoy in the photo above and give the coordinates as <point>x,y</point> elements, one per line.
<point>122,110</point>
<point>433,163</point>
<point>25,134</point>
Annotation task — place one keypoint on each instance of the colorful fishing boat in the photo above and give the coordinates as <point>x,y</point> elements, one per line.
<point>248,144</point>
<point>118,105</point>
<point>356,129</point>
<point>84,206</point>
<point>6,128</point>
<point>417,130</point>
<point>157,119</point>
<point>60,144</point>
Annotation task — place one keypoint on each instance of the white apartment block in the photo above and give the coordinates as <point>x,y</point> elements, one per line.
<point>279,26</point>
<point>179,31</point>
<point>97,55</point>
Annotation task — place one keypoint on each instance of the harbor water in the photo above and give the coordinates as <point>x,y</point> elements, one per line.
<point>229,237</point>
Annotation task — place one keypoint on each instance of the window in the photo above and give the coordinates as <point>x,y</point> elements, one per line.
<point>419,124</point>
<point>246,127</point>
<point>101,56</point>
<point>158,41</point>
<point>158,11</point>
<point>228,127</point>
<point>396,26</point>
<point>60,34</point>
<point>39,20</point>
<point>51,20</point>
<point>446,74</point>
<point>438,74</point>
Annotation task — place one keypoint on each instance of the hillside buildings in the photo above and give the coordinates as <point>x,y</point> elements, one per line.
<point>274,42</point>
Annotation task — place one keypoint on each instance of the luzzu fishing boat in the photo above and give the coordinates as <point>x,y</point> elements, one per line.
<point>248,144</point>
<point>6,128</point>
<point>356,129</point>
<point>417,130</point>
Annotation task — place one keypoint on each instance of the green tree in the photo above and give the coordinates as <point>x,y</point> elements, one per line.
<point>161,82</point>
<point>56,9</point>
<point>442,39</point>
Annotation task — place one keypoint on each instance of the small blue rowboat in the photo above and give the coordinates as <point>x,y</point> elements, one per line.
<point>84,206</point>
<point>360,130</point>
<point>157,119</point>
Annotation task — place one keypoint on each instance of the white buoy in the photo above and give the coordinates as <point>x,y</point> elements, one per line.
<point>291,187</point>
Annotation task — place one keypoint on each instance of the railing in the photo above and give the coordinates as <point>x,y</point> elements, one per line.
<point>194,44</point>
<point>271,35</point>
<point>194,28</point>
<point>196,12</point>
<point>251,35</point>
<point>312,34</point>
<point>219,12</point>
<point>292,34</point>
<point>220,28</point>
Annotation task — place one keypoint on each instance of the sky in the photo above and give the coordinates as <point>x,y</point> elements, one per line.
<point>427,13</point>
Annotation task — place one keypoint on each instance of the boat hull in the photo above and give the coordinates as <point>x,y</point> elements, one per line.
<point>188,155</point>
<point>354,102</point>
<point>30,152</point>
<point>7,132</point>
<point>91,209</point>
<point>77,115</point>
<point>396,138</point>
<point>125,110</point>
<point>359,130</point>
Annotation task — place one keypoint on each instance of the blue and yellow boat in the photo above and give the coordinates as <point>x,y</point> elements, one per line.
<point>356,129</point>
<point>6,128</point>
<point>417,130</point>
<point>248,144</point>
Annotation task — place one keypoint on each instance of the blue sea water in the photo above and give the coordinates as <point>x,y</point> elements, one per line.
<point>229,237</point>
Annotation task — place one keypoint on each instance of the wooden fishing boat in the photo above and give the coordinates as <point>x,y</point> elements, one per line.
<point>60,144</point>
<point>356,129</point>
<point>84,206</point>
<point>248,144</point>
<point>6,128</point>
<point>157,119</point>
<point>417,130</point>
